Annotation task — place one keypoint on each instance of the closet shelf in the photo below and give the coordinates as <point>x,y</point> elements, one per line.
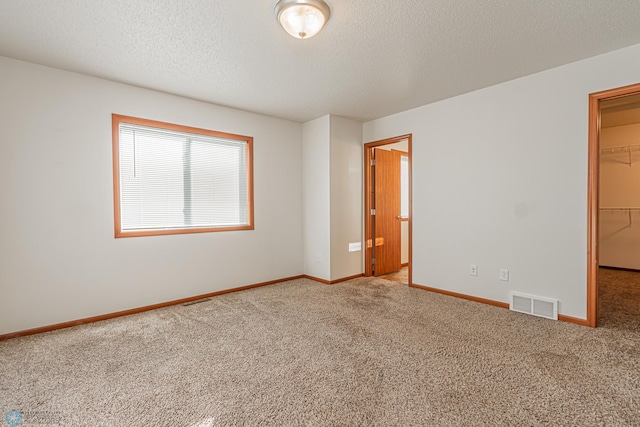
<point>622,149</point>
<point>628,211</point>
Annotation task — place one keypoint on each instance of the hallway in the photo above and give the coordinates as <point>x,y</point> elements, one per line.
<point>400,276</point>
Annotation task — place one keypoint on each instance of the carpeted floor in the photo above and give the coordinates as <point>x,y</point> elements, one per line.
<point>619,300</point>
<point>363,352</point>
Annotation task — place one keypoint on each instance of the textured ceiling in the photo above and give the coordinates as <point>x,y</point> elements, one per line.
<point>373,58</point>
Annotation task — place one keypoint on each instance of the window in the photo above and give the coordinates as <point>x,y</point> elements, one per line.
<point>172,179</point>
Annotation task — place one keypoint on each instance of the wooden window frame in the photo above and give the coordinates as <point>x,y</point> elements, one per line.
<point>117,119</point>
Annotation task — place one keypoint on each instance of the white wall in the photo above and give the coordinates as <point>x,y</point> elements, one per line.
<point>346,196</point>
<point>620,187</point>
<point>332,201</point>
<point>404,237</point>
<point>59,260</point>
<point>316,197</point>
<point>500,180</point>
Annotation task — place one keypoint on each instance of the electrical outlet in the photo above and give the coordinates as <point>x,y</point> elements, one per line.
<point>473,270</point>
<point>504,275</point>
<point>318,257</point>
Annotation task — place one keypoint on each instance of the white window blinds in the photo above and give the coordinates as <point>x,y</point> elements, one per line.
<point>178,180</point>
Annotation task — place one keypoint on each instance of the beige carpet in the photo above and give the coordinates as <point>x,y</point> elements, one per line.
<point>364,352</point>
<point>619,294</point>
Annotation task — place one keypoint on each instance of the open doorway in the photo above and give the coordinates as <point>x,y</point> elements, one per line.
<point>613,279</point>
<point>388,222</point>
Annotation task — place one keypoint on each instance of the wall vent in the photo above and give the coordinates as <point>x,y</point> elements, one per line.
<point>536,306</point>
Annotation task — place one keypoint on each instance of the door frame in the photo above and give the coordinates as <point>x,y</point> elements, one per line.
<point>368,155</point>
<point>593,212</point>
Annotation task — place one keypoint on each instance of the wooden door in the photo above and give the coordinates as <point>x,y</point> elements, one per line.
<point>386,202</point>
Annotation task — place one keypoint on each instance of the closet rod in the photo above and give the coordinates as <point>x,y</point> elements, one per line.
<point>625,210</point>
<point>620,149</point>
<point>620,209</point>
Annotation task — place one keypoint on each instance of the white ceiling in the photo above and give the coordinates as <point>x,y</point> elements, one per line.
<point>373,58</point>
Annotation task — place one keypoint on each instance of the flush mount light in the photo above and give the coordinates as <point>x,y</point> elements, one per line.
<point>302,19</point>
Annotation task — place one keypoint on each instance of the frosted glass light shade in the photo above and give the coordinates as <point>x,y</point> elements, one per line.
<point>302,18</point>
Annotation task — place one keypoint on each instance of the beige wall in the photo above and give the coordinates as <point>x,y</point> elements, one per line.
<point>346,196</point>
<point>404,236</point>
<point>500,181</point>
<point>332,200</point>
<point>59,260</point>
<point>316,170</point>
<point>620,187</point>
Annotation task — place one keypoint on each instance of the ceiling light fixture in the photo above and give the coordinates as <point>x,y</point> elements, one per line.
<point>302,19</point>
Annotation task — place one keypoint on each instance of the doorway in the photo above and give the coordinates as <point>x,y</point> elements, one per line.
<point>609,100</point>
<point>387,202</point>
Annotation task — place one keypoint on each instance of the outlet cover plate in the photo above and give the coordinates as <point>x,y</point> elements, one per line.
<point>473,270</point>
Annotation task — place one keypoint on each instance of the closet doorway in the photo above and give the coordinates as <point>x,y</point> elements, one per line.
<point>388,223</point>
<point>613,276</point>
